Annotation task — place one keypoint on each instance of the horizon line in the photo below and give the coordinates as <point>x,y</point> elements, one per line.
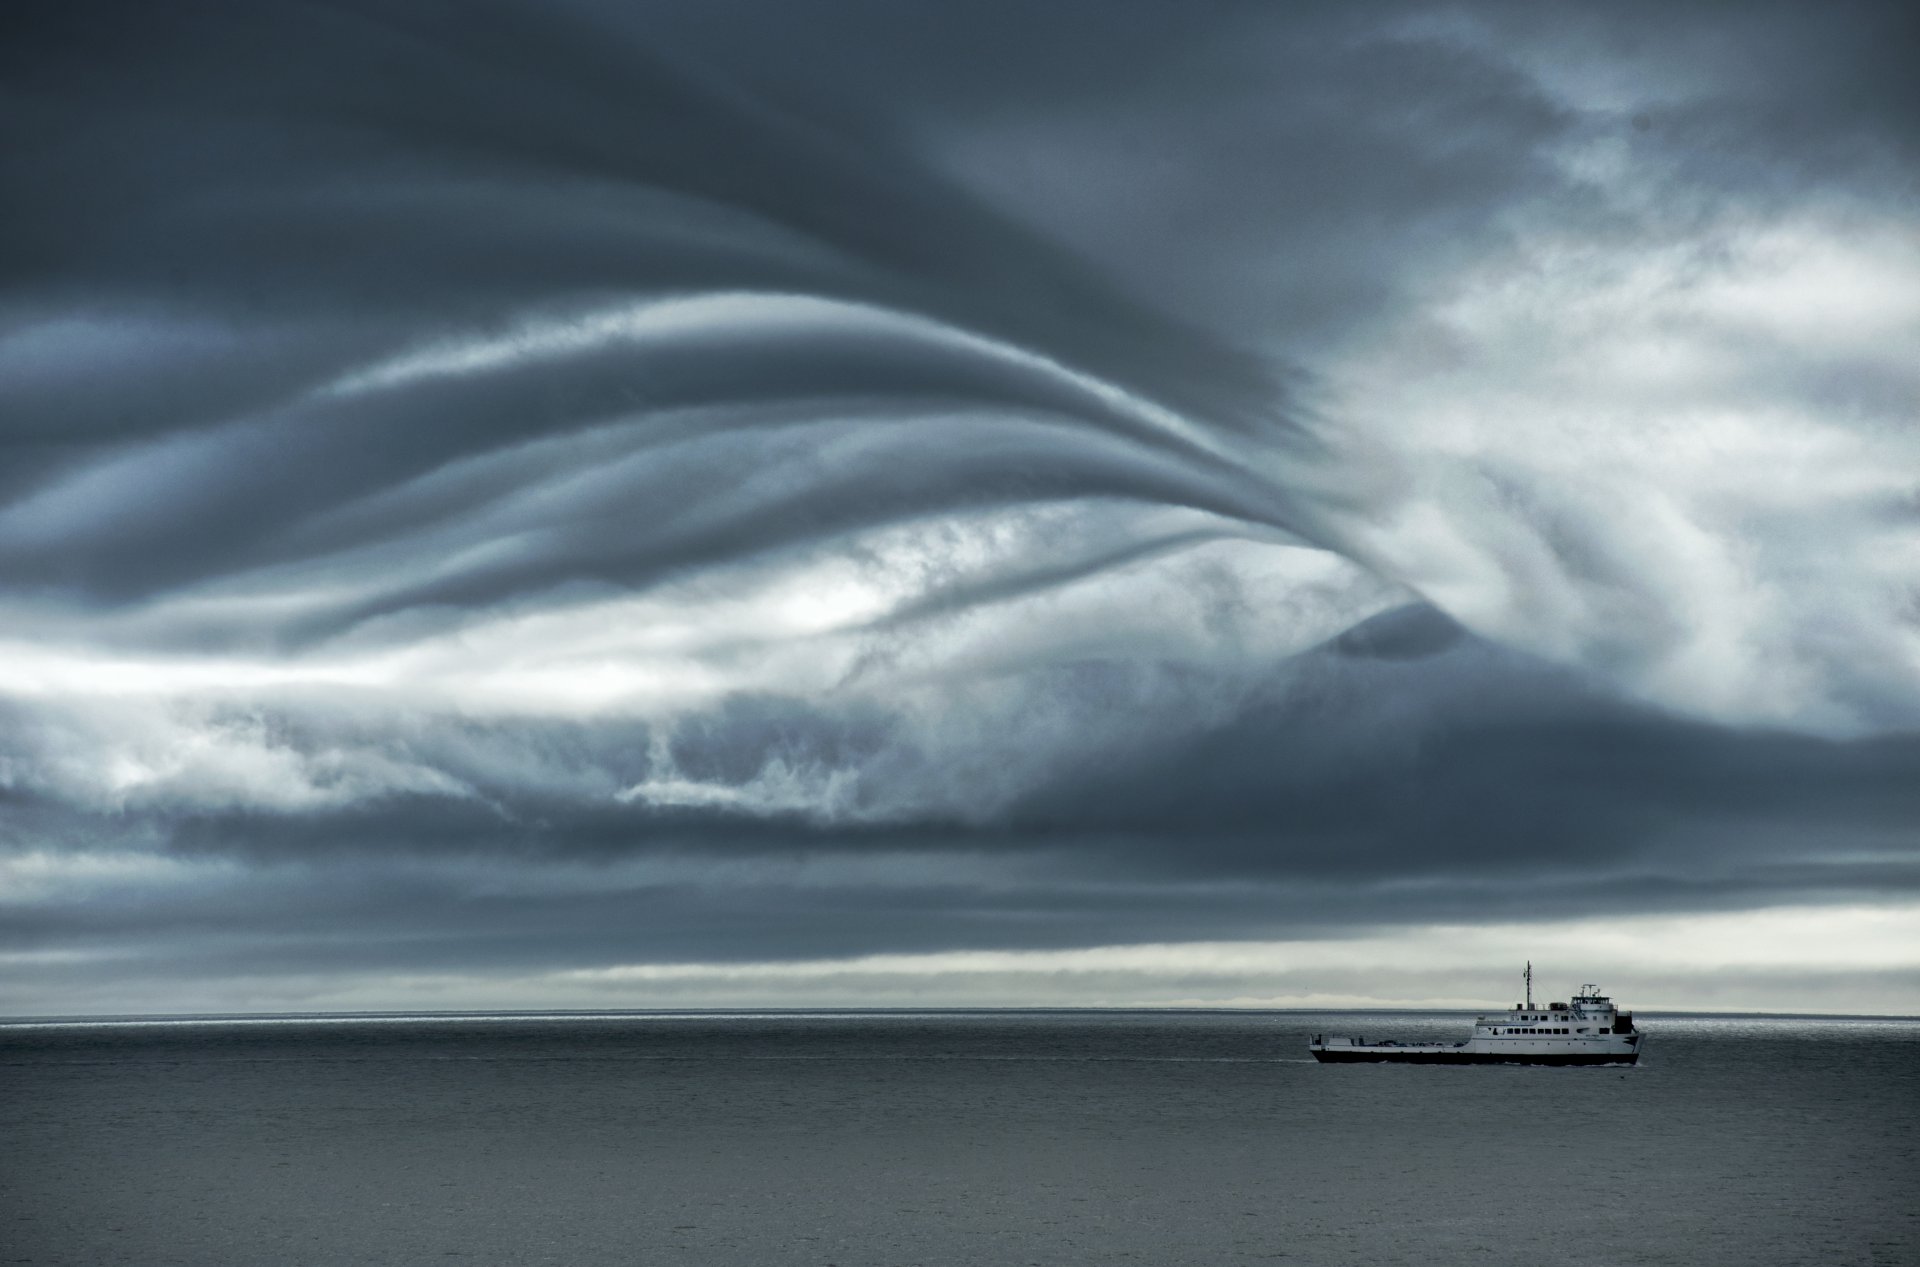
<point>338,1016</point>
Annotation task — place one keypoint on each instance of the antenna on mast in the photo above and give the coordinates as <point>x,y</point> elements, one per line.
<point>1529,985</point>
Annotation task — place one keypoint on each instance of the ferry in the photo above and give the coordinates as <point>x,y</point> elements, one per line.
<point>1587,1031</point>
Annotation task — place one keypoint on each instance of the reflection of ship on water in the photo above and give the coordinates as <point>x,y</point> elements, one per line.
<point>1587,1031</point>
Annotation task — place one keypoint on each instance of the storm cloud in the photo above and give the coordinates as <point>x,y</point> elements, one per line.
<point>538,499</point>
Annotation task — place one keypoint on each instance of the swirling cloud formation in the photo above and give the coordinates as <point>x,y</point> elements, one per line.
<point>513,502</point>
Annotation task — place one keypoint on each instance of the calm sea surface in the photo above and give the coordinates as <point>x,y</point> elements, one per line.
<point>945,1138</point>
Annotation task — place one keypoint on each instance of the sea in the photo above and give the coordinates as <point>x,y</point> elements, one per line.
<point>856,1139</point>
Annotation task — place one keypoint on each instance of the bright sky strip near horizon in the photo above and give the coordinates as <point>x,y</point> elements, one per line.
<point>649,505</point>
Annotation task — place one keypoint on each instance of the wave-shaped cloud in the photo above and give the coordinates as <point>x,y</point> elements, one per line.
<point>1296,448</point>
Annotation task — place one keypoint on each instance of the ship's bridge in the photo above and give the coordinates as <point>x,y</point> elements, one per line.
<point>1588,1005</point>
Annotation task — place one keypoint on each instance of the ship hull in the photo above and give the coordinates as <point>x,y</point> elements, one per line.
<point>1375,1056</point>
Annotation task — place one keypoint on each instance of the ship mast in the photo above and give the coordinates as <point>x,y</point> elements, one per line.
<point>1529,985</point>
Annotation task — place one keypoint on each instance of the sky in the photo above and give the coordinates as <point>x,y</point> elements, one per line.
<point>599,505</point>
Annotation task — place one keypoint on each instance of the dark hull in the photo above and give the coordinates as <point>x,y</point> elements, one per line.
<point>1464,1058</point>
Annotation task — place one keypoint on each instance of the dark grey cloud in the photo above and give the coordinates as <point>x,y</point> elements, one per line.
<point>516,489</point>
<point>498,162</point>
